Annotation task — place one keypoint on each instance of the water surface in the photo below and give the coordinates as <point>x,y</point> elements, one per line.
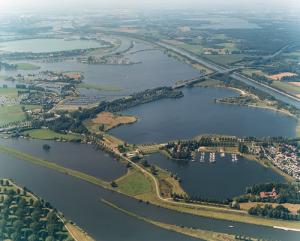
<point>47,45</point>
<point>81,202</point>
<point>81,157</point>
<point>217,181</point>
<point>197,113</point>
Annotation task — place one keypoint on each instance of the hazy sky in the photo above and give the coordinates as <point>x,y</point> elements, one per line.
<point>7,5</point>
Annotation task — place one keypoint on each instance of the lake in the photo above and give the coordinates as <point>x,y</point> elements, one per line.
<point>217,181</point>
<point>197,113</point>
<point>45,45</point>
<point>81,157</point>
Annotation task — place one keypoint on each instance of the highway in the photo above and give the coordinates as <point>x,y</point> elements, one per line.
<point>280,95</point>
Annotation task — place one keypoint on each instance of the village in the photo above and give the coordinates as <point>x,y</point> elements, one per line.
<point>285,158</point>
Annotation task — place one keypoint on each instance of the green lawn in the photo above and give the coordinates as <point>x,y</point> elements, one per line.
<point>11,113</point>
<point>134,184</point>
<point>46,134</point>
<point>27,66</point>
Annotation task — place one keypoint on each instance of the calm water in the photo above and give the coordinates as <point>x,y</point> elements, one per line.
<point>77,156</point>
<point>80,201</point>
<point>156,69</point>
<point>196,113</point>
<point>220,180</point>
<point>47,45</point>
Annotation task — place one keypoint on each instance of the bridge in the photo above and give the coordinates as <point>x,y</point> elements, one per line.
<point>183,83</point>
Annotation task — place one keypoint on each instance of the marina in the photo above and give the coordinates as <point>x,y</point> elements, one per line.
<point>215,177</point>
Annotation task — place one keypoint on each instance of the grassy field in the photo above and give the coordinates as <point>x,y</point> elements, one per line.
<point>249,72</point>
<point>8,91</point>
<point>168,184</point>
<point>108,120</point>
<point>46,134</point>
<point>133,183</point>
<point>292,89</point>
<point>27,66</point>
<point>11,113</point>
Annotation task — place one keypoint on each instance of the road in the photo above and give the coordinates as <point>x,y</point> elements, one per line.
<point>280,95</point>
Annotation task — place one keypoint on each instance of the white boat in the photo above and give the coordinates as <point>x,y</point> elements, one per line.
<point>212,157</point>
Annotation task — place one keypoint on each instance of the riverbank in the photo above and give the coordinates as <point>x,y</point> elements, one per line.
<point>193,232</point>
<point>155,198</point>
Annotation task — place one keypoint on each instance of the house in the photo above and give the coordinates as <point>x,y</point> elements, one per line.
<point>272,194</point>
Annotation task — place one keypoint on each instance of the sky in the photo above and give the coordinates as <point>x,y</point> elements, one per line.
<point>8,5</point>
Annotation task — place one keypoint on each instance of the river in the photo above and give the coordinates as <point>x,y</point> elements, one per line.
<point>80,202</point>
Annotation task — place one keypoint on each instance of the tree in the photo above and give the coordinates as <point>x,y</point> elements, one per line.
<point>234,205</point>
<point>101,127</point>
<point>145,163</point>
<point>114,184</point>
<point>35,226</point>
<point>16,236</point>
<point>50,238</point>
<point>46,147</point>
<point>33,237</point>
<point>153,170</point>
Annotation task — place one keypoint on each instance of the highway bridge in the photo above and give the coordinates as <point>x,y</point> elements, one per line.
<point>278,94</point>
